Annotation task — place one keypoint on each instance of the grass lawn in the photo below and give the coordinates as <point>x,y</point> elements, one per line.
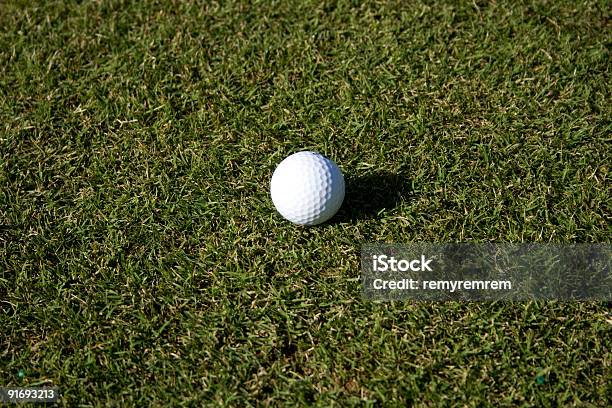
<point>142,262</point>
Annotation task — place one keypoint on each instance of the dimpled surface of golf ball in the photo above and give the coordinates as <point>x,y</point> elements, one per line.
<point>307,188</point>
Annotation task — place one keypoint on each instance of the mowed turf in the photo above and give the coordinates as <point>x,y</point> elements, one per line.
<point>141,259</point>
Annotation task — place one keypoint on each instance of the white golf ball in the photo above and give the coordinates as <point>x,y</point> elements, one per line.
<point>307,188</point>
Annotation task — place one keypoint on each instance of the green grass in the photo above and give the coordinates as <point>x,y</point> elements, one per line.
<point>142,262</point>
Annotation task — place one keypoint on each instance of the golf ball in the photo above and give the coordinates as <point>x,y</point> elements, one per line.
<point>307,188</point>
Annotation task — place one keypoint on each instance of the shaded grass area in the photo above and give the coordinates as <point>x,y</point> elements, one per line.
<point>142,261</point>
